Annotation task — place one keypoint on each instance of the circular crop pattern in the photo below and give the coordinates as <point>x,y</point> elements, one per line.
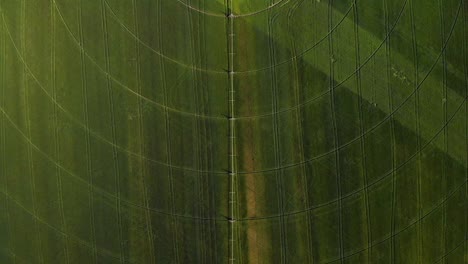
<point>272,131</point>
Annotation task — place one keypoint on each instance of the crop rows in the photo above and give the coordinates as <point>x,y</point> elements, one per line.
<point>233,131</point>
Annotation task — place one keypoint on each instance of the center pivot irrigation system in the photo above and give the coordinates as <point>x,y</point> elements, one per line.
<point>232,135</point>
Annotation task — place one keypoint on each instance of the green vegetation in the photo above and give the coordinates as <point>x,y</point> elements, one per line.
<point>233,131</point>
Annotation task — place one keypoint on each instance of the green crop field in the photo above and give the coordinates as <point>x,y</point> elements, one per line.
<point>234,131</point>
